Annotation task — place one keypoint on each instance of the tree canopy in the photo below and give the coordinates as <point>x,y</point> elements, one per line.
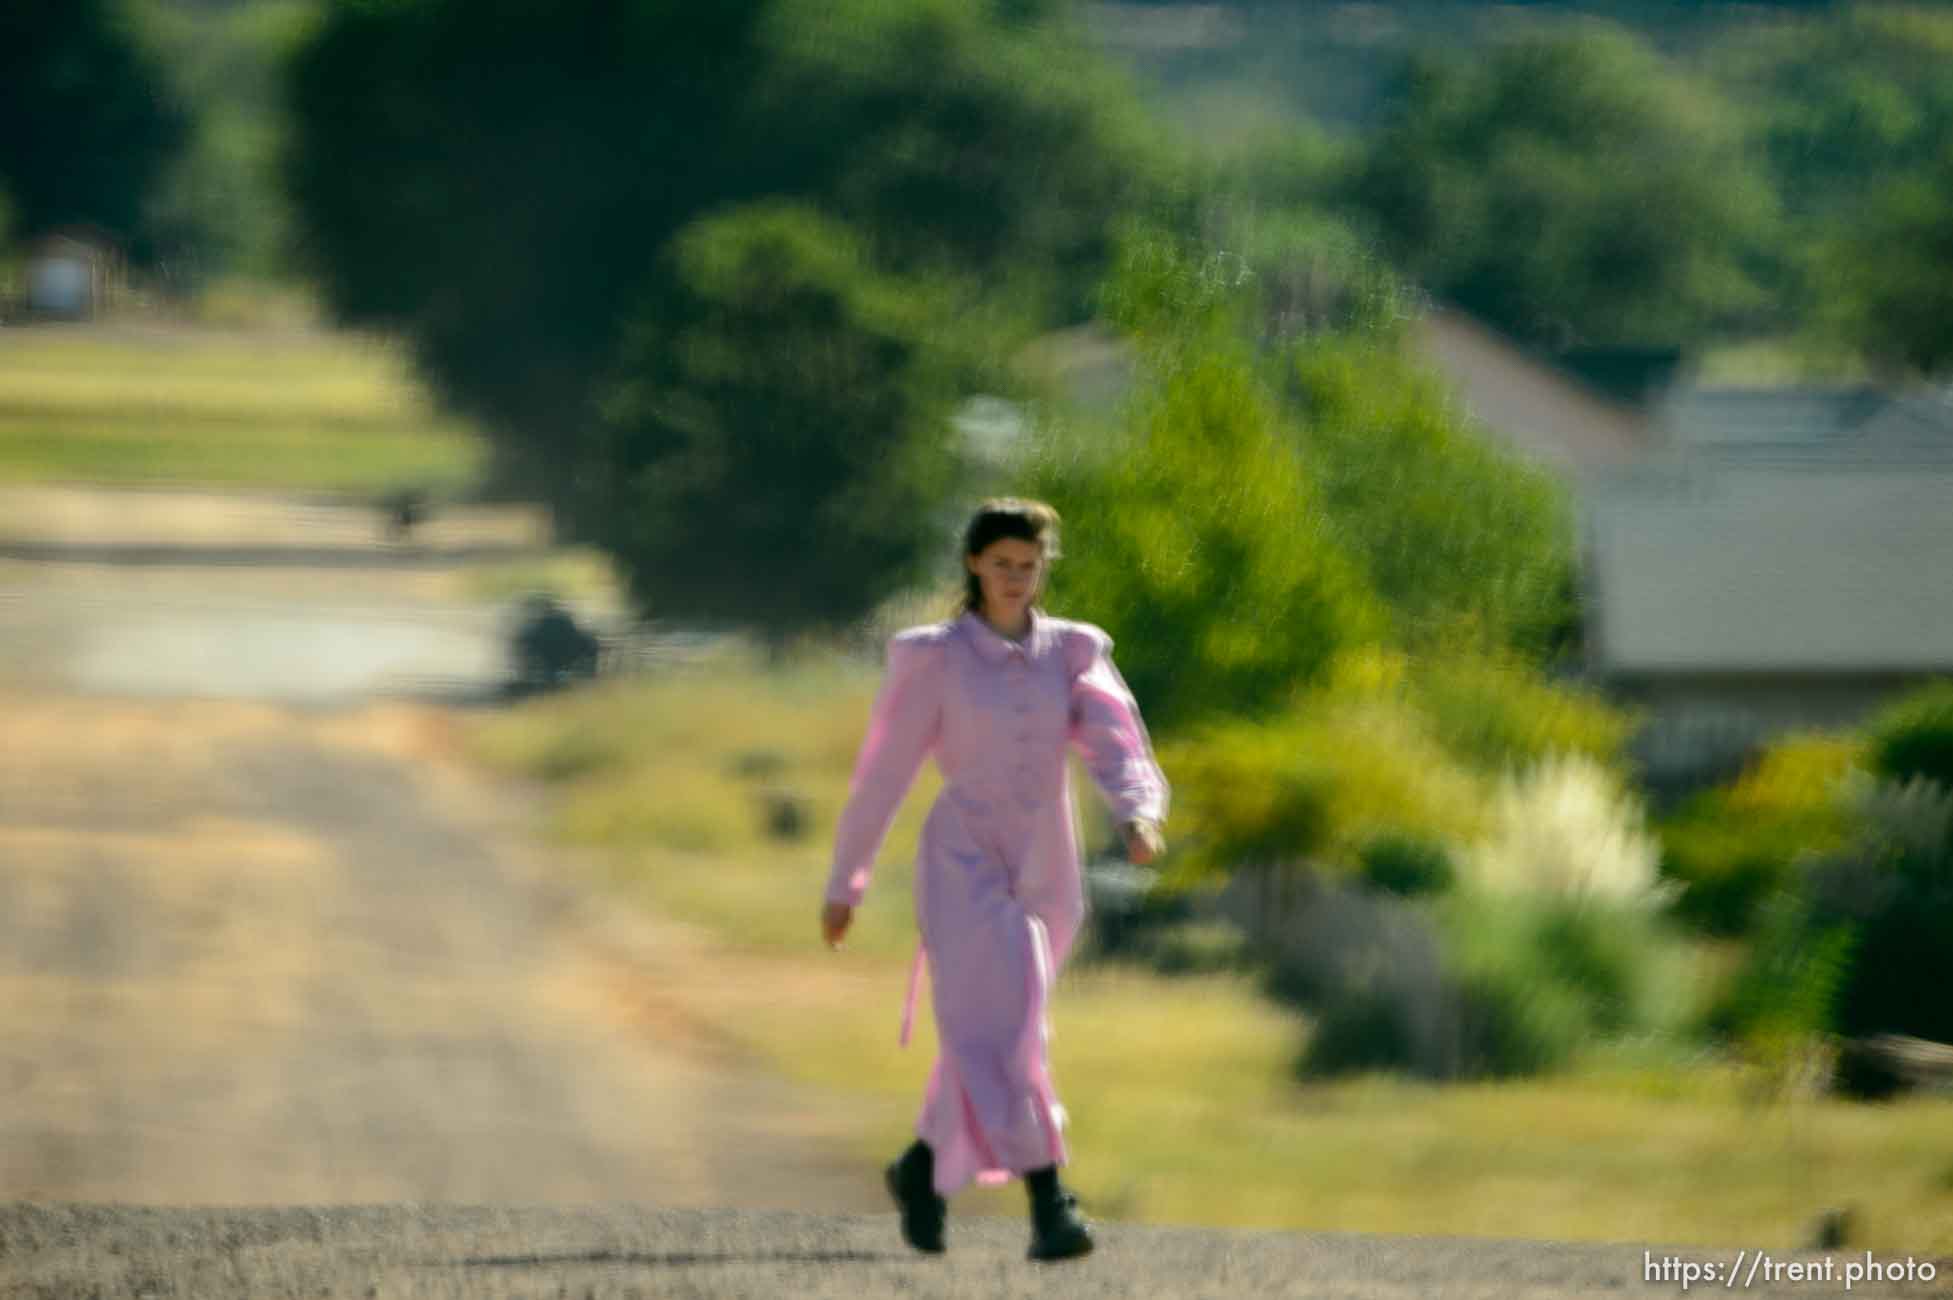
<point>765,468</point>
<point>1852,112</point>
<point>516,185</point>
<point>1885,279</point>
<point>1287,488</point>
<point>221,208</point>
<point>1842,102</point>
<point>1570,187</point>
<point>88,124</point>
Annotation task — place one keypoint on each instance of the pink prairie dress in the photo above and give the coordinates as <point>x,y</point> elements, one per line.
<point>998,893</point>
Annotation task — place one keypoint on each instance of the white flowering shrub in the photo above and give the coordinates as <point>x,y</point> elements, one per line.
<point>1567,827</point>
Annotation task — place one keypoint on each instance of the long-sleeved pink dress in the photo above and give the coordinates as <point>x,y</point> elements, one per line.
<point>999,896</point>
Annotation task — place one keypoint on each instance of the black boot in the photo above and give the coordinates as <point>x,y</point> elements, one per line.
<point>912,1182</point>
<point>1058,1230</point>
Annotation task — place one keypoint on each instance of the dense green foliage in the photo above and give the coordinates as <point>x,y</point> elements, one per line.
<point>1885,279</point>
<point>493,178</point>
<point>1467,544</point>
<point>1461,986</point>
<point>1499,712</point>
<point>1571,188</point>
<point>1318,783</point>
<point>1862,941</point>
<point>1851,114</point>
<point>507,182</point>
<point>1202,548</point>
<point>1841,103</point>
<point>1731,848</point>
<point>1914,736</point>
<point>1290,486</point>
<point>1849,843</point>
<point>1609,193</point>
<point>221,210</point>
<point>1407,864</point>
<point>1762,174</point>
<point>1543,978</point>
<point>87,122</point>
<point>765,469</point>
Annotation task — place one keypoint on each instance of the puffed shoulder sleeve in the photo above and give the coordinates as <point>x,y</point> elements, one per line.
<point>1108,732</point>
<point>901,732</point>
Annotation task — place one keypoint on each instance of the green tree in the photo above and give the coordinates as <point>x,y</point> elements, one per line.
<point>492,178</point>
<point>1885,275</point>
<point>1201,545</point>
<point>1199,540</point>
<point>1570,187</point>
<point>1842,101</point>
<point>502,182</point>
<point>87,122</point>
<point>978,139</point>
<point>768,435</point>
<point>221,208</point>
<point>1469,546</point>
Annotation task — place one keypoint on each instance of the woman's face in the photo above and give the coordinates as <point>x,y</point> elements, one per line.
<point>1010,571</point>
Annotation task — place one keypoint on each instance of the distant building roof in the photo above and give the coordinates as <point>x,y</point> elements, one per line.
<point>1535,405</point>
<point>1770,422</point>
<point>1823,566</point>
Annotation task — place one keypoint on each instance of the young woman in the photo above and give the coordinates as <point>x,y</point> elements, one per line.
<point>997,695</point>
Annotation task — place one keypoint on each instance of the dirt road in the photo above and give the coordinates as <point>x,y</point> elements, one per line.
<point>249,955</point>
<point>263,942</point>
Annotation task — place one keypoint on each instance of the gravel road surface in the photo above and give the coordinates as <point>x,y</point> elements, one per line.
<point>625,1251</point>
<point>252,954</point>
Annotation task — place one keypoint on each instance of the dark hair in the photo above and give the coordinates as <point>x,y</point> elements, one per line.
<point>1001,517</point>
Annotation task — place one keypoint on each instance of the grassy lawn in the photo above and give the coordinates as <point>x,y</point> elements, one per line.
<point>1184,1102</point>
<point>187,406</point>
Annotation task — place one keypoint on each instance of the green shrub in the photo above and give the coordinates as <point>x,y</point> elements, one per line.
<point>1245,794</point>
<point>1370,968</point>
<point>1598,956</point>
<point>1896,883</point>
<point>1319,783</point>
<point>1366,1029</point>
<point>1198,543</point>
<point>1402,863</point>
<point>1729,848</point>
<point>1519,181</point>
<point>1470,986</point>
<point>1499,711</point>
<point>1787,989</point>
<point>1914,737</point>
<point>1727,868</point>
<point>1861,942</point>
<point>1801,775</point>
<point>1511,1025</point>
<point>1467,544</point>
<point>1616,961</point>
<point>771,331</point>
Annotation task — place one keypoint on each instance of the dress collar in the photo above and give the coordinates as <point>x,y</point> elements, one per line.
<point>996,648</point>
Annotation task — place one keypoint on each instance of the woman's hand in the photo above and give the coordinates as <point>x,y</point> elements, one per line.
<point>1143,841</point>
<point>835,919</point>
